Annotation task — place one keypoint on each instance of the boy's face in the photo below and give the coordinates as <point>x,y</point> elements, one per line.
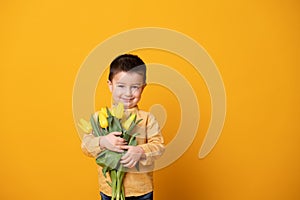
<point>127,88</point>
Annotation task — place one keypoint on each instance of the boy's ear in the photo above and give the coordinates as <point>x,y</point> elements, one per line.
<point>109,83</point>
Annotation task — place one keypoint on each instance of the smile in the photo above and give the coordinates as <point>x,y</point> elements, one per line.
<point>126,99</point>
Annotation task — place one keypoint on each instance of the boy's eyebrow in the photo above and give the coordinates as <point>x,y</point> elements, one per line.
<point>131,84</point>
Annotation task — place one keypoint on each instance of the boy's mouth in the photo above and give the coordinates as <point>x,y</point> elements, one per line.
<point>126,100</point>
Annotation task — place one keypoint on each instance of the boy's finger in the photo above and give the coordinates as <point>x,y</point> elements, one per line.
<point>125,147</point>
<point>130,164</point>
<point>122,141</point>
<point>116,133</point>
<point>118,149</point>
<point>126,161</point>
<point>126,156</point>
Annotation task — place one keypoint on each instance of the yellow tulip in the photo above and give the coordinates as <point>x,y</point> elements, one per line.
<point>102,120</point>
<point>85,126</point>
<point>118,111</point>
<point>112,112</point>
<point>104,112</point>
<point>128,122</point>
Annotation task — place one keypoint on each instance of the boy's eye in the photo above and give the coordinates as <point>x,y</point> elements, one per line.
<point>135,87</point>
<point>120,86</point>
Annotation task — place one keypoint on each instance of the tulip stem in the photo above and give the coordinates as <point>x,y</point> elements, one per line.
<point>120,176</point>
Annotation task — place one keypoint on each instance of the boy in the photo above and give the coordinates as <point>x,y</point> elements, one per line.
<point>127,80</point>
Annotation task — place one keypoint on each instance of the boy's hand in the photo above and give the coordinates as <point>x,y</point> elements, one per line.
<point>113,142</point>
<point>132,156</point>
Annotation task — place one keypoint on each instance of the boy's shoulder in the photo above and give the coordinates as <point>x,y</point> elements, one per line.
<point>144,112</point>
<point>146,115</point>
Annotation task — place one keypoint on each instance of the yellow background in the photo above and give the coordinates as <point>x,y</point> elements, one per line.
<point>255,45</point>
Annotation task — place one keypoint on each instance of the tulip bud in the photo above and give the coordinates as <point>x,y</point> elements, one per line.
<point>103,120</point>
<point>85,126</point>
<point>128,122</point>
<point>118,111</point>
<point>104,112</point>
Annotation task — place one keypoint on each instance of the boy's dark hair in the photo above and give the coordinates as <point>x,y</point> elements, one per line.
<point>127,62</point>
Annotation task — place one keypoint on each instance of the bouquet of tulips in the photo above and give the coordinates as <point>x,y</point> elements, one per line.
<point>106,122</point>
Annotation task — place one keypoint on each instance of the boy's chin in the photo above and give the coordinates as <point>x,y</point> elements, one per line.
<point>128,105</point>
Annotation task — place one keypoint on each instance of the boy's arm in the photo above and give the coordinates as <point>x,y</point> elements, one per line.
<point>154,147</point>
<point>90,145</point>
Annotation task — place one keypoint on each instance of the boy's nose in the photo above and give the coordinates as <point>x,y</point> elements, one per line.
<point>128,91</point>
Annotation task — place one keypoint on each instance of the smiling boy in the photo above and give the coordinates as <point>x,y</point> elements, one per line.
<point>126,81</point>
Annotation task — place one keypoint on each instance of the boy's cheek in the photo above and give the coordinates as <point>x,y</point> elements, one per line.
<point>116,93</point>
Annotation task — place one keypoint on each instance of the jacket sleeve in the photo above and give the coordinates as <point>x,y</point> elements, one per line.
<point>154,147</point>
<point>90,145</point>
